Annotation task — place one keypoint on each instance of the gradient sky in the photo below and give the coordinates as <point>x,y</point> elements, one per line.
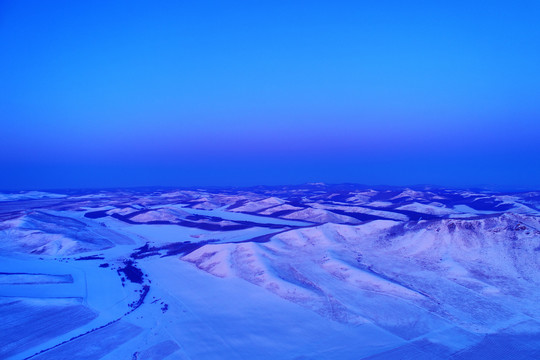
<point>134,93</point>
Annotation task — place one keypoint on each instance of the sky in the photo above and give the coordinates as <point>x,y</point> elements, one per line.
<point>239,93</point>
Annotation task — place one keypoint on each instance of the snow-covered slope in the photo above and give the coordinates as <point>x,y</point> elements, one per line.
<point>30,195</point>
<point>476,275</point>
<point>161,214</point>
<point>430,209</point>
<point>278,208</point>
<point>320,216</point>
<point>254,206</point>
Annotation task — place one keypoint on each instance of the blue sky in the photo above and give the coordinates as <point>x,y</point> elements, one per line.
<point>131,93</point>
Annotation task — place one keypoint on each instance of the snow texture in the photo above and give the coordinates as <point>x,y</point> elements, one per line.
<point>302,272</point>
